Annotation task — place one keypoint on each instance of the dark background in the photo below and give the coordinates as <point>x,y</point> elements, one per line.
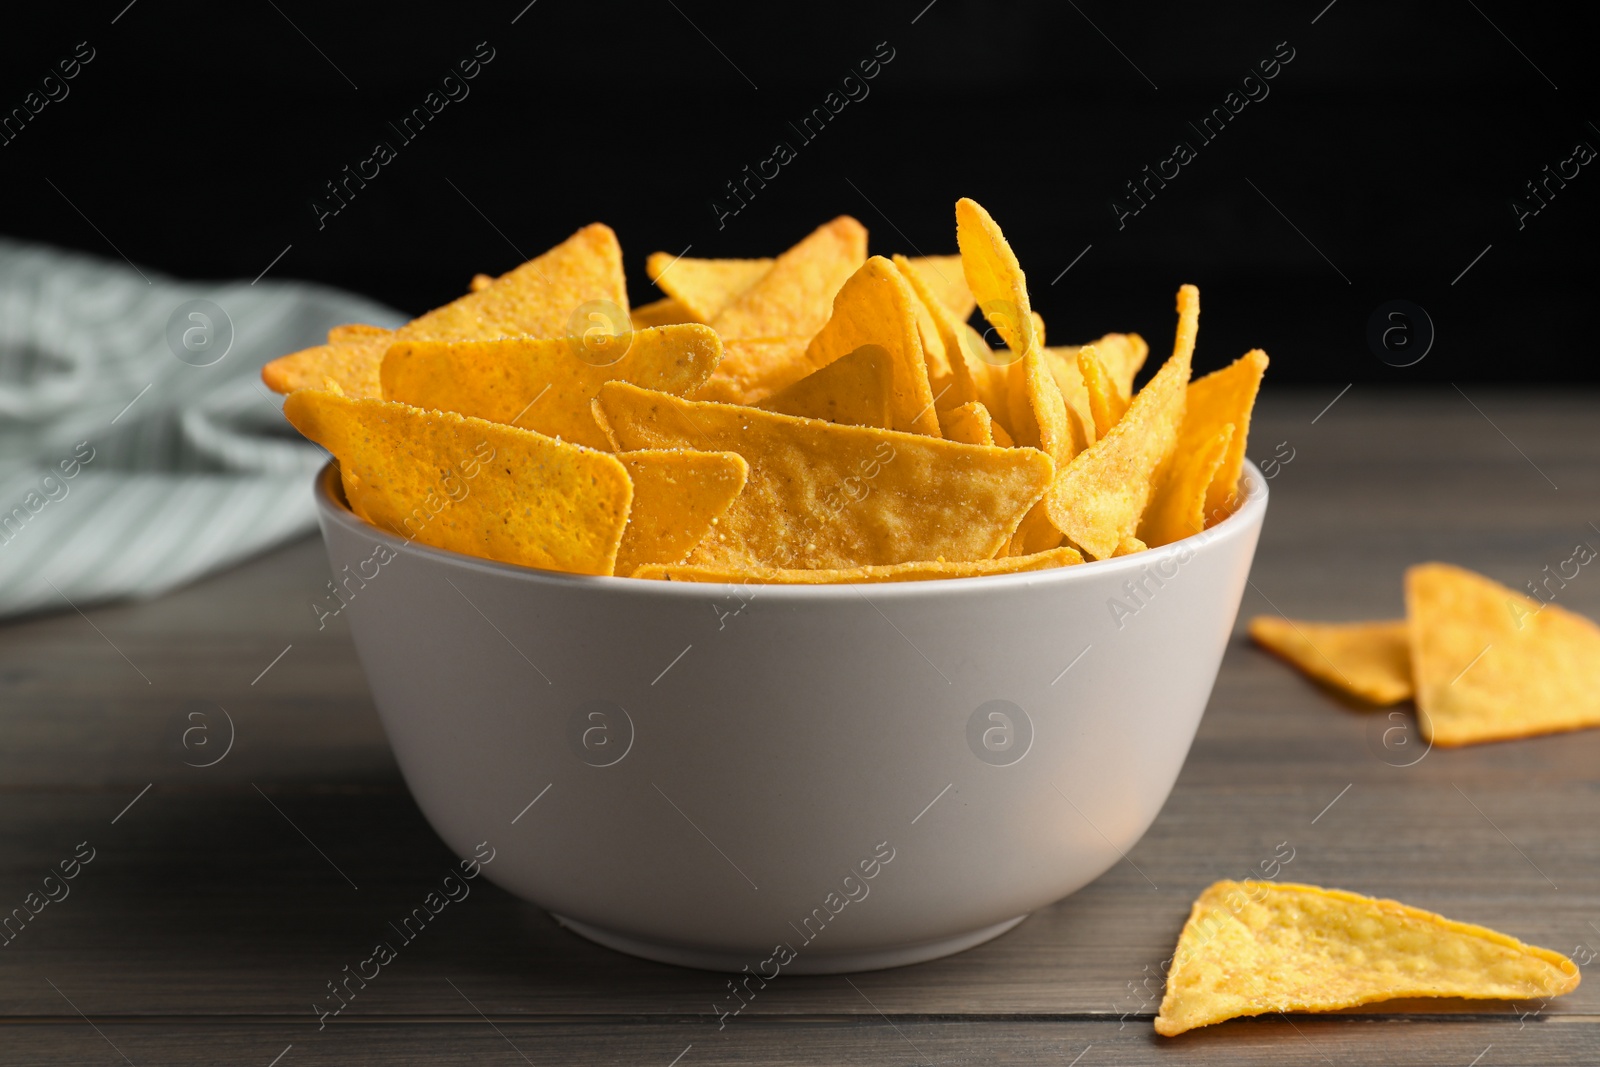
<point>1395,141</point>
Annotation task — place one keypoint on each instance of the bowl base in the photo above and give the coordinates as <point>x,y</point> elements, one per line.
<point>803,963</point>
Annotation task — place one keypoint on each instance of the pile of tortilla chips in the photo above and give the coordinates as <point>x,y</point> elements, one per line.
<point>1483,662</point>
<point>820,416</point>
<point>1250,948</point>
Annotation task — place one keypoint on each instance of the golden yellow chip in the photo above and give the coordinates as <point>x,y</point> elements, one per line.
<point>753,369</point>
<point>968,423</point>
<point>1221,398</point>
<point>472,486</point>
<point>704,287</point>
<point>545,384</point>
<point>957,359</point>
<point>1177,507</point>
<point>821,495</point>
<point>677,497</point>
<point>355,331</point>
<point>1253,948</point>
<point>945,280</point>
<point>994,276</point>
<point>1098,498</point>
<point>663,312</point>
<point>916,571</point>
<point>877,307</point>
<point>1035,533</point>
<point>854,390</point>
<point>1369,660</point>
<point>795,297</point>
<point>1128,546</point>
<point>1492,664</point>
<point>1106,404</point>
<point>557,294</point>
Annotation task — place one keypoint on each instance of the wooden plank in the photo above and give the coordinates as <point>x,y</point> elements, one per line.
<point>1269,1042</point>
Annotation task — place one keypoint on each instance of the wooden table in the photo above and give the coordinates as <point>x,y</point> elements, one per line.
<point>221,900</point>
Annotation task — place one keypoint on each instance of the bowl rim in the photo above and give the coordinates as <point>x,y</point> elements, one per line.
<point>1250,514</point>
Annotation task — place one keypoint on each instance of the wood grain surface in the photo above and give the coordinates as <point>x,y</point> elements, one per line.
<point>221,899</point>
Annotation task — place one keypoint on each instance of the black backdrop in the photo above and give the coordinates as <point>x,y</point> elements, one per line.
<point>1379,163</point>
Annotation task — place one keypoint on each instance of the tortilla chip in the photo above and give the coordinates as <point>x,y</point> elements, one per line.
<point>961,387</point>
<point>876,306</point>
<point>916,571</point>
<point>663,312</point>
<point>1220,398</point>
<point>355,331</point>
<point>1106,404</point>
<point>753,369</point>
<point>1128,546</point>
<point>1251,948</point>
<point>1035,533</point>
<point>704,287</point>
<point>472,486</point>
<point>1492,664</point>
<point>969,424</point>
<point>945,280</point>
<point>1177,507</point>
<point>853,390</point>
<point>677,497</point>
<point>1369,660</point>
<point>538,299</point>
<point>795,297</point>
<point>545,384</point>
<point>994,276</point>
<point>1098,499</point>
<point>826,496</point>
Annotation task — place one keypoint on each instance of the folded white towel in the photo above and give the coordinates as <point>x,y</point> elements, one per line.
<point>126,470</point>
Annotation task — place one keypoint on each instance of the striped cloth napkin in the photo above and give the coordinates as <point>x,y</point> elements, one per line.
<point>138,448</point>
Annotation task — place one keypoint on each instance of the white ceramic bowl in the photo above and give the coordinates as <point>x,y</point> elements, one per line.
<point>808,779</point>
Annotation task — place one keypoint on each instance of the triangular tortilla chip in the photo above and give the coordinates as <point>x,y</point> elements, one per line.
<point>918,571</point>
<point>663,312</point>
<point>853,390</point>
<point>677,497</point>
<point>355,331</point>
<point>1492,664</point>
<point>944,279</point>
<point>1035,533</point>
<point>827,496</point>
<point>1252,948</point>
<point>1106,404</point>
<point>969,424</point>
<point>1177,508</point>
<point>876,306</point>
<point>1369,660</point>
<point>704,287</point>
<point>1098,499</point>
<point>994,276</point>
<point>753,369</point>
<point>1223,397</point>
<point>545,384</point>
<point>538,299</point>
<point>961,388</point>
<point>467,485</point>
<point>795,297</point>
